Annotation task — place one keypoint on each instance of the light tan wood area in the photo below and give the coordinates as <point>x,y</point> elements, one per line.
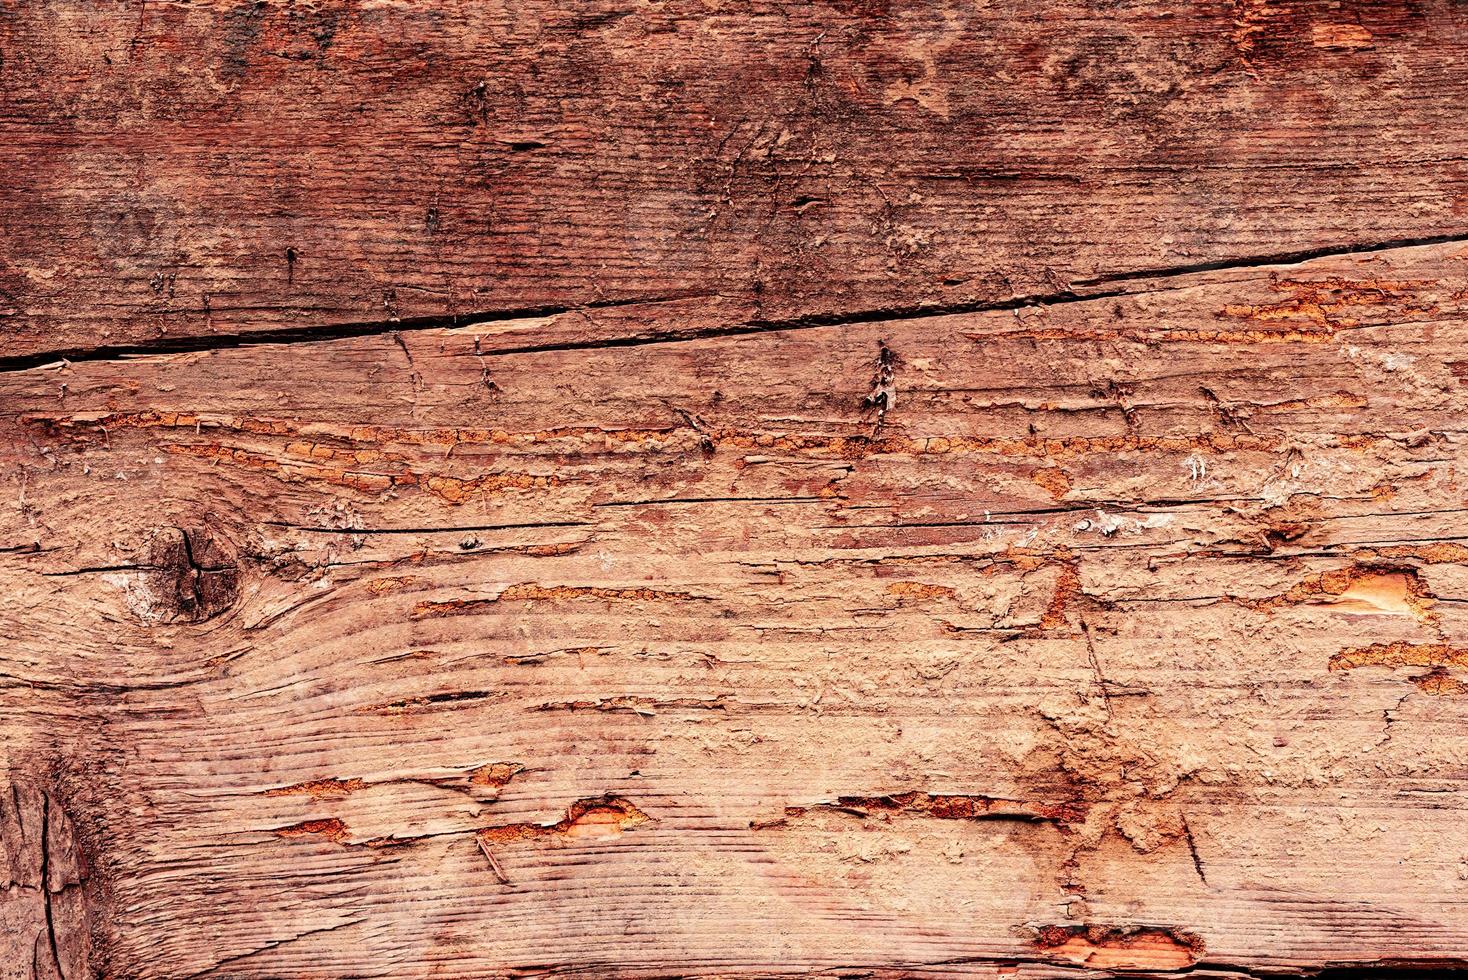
<point>669,489</point>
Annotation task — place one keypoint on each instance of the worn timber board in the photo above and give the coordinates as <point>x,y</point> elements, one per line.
<point>671,489</point>
<point>185,169</point>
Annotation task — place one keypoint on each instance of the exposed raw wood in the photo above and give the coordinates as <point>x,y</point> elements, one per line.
<point>778,490</point>
<point>1127,637</point>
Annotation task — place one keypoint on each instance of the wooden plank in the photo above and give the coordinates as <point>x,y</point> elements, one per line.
<point>183,170</point>
<point>1115,634</point>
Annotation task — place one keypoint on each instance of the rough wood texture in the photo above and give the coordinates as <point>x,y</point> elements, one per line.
<point>680,490</point>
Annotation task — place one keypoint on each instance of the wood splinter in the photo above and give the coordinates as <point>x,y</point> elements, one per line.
<point>494,864</point>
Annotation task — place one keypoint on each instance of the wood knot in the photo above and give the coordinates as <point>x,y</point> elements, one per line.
<point>192,576</point>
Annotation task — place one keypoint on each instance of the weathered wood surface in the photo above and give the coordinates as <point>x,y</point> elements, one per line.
<point>872,490</point>
<point>1160,589</point>
<point>185,169</point>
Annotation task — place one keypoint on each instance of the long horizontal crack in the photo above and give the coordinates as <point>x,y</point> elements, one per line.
<point>1276,258</point>
<point>807,321</point>
<point>927,311</point>
<point>345,331</point>
<point>1390,968</point>
<point>430,529</point>
<point>342,331</point>
<point>313,334</point>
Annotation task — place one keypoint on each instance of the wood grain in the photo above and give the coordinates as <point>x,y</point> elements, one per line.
<point>178,169</point>
<point>660,490</point>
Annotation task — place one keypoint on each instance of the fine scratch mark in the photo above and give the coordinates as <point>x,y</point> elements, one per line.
<point>1193,850</point>
<point>397,337</point>
<point>484,378</point>
<point>272,945</point>
<point>1096,669</point>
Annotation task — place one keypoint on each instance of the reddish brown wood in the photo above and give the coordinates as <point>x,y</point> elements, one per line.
<point>195,169</point>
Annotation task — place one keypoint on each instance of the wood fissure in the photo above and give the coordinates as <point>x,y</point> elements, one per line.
<point>345,331</point>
